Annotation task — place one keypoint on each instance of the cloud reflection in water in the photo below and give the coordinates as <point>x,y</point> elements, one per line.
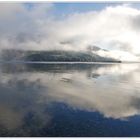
<point>27,92</point>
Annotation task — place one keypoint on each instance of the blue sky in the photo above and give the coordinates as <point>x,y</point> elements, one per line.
<point>79,7</point>
<point>63,8</point>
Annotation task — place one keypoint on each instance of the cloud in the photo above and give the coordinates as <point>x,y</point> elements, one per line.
<point>7,10</point>
<point>21,25</point>
<point>115,28</point>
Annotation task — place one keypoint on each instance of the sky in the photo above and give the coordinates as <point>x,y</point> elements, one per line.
<point>72,26</point>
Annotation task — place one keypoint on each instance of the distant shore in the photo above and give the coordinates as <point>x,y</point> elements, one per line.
<point>68,62</point>
<point>56,62</point>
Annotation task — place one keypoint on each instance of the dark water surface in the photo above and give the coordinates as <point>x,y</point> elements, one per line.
<point>69,100</point>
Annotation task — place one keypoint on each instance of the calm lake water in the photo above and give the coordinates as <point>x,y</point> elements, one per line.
<point>69,100</point>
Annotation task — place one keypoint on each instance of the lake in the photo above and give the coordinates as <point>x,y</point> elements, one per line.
<point>70,100</point>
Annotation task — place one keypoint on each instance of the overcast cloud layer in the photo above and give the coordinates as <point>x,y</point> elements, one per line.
<point>115,28</point>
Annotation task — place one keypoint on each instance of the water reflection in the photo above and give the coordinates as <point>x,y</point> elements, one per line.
<point>29,92</point>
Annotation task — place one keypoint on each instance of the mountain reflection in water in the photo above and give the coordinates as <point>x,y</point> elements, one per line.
<point>69,99</point>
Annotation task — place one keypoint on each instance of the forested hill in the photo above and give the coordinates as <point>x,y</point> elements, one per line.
<point>59,56</point>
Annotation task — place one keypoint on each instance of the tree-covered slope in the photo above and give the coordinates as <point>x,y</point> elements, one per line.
<point>61,56</point>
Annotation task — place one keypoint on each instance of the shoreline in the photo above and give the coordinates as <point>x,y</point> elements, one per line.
<point>66,62</point>
<point>56,62</point>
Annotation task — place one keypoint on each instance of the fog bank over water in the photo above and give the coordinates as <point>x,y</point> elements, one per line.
<point>37,27</point>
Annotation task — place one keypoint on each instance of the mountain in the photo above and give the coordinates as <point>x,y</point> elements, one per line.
<point>56,55</point>
<point>94,48</point>
<point>100,52</point>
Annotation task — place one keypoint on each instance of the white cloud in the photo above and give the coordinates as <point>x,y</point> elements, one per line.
<point>113,28</point>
